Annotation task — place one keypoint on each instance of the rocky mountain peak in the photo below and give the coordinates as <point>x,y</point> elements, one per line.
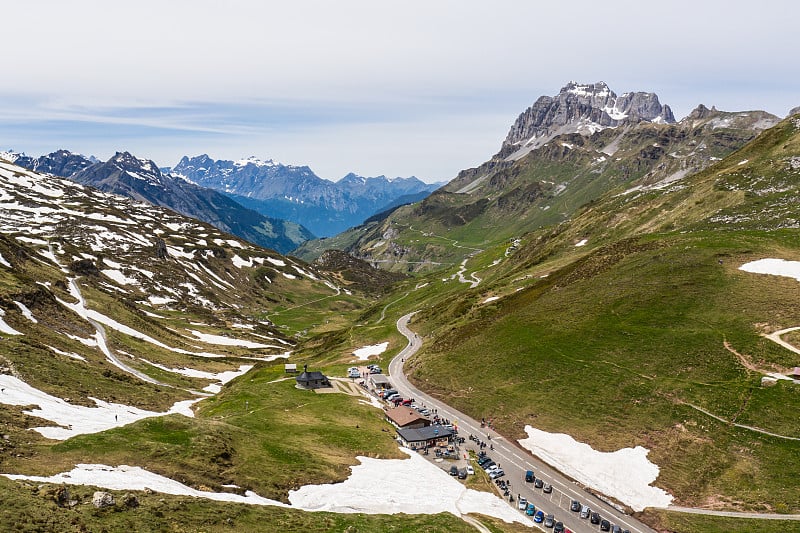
<point>580,108</point>
<point>794,111</point>
<point>143,169</point>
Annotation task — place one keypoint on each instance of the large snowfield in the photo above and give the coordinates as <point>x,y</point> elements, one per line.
<point>625,474</point>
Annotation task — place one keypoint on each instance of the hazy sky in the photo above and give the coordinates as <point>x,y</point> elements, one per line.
<point>418,87</point>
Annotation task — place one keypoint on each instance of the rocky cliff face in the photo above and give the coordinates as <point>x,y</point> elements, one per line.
<point>581,109</point>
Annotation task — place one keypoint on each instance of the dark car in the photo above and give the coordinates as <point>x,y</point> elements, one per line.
<point>488,464</point>
<point>462,473</point>
<point>575,506</point>
<point>548,488</point>
<point>595,518</point>
<point>616,529</point>
<point>454,470</point>
<point>483,459</point>
<point>605,525</point>
<point>529,477</point>
<point>538,517</point>
<point>559,527</point>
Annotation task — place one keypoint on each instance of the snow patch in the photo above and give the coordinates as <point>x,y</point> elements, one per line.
<point>227,341</point>
<point>365,352</point>
<point>5,328</point>
<point>26,312</point>
<point>412,486</point>
<point>76,419</point>
<point>775,267</point>
<point>490,299</point>
<point>582,242</point>
<point>625,474</point>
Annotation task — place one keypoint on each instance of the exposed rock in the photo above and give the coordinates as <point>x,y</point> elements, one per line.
<point>84,267</point>
<point>582,109</point>
<point>130,501</point>
<point>794,111</point>
<point>161,249</point>
<point>102,500</point>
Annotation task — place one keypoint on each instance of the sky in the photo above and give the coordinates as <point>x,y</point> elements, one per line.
<point>419,87</point>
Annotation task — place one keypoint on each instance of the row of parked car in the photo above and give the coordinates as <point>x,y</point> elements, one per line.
<point>584,511</point>
<point>354,372</point>
<point>492,468</point>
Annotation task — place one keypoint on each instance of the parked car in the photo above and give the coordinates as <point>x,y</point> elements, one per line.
<point>549,521</point>
<point>522,504</point>
<point>616,529</point>
<point>548,488</point>
<point>353,372</point>
<point>454,470</point>
<point>484,459</point>
<point>462,473</point>
<point>497,474</point>
<point>605,525</point>
<point>559,527</point>
<point>470,470</point>
<point>407,401</point>
<point>595,519</point>
<point>387,392</point>
<point>538,483</point>
<point>585,511</point>
<point>575,506</point>
<point>529,477</point>
<point>375,370</point>
<point>538,517</point>
<point>488,464</point>
<point>530,510</point>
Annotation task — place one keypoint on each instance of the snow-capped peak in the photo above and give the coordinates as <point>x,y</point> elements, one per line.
<point>253,160</point>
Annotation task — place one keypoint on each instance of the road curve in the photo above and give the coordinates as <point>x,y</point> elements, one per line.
<point>515,459</point>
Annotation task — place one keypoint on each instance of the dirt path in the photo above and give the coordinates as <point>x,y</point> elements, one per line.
<point>743,426</point>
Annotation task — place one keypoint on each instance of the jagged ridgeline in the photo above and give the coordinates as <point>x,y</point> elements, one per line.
<point>295,193</point>
<point>561,154</point>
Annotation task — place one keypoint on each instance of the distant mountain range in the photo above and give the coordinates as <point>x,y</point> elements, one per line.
<point>295,193</point>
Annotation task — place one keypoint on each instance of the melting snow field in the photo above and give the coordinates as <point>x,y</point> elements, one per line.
<point>776,267</point>
<point>134,478</point>
<point>76,419</point>
<point>412,486</point>
<point>625,474</point>
<point>365,352</point>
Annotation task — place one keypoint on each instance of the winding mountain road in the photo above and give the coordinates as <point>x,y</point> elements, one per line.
<point>514,460</point>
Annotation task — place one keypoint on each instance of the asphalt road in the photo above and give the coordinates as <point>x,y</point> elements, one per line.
<point>513,459</point>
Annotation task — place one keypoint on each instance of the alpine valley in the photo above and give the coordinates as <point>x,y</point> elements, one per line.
<point>598,277</point>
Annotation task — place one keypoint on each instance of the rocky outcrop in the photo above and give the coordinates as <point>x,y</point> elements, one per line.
<point>101,500</point>
<point>582,109</point>
<point>794,111</point>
